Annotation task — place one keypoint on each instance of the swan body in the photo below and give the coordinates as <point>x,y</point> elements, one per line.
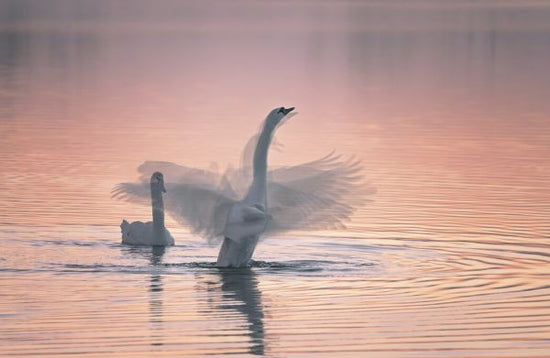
<point>138,233</point>
<point>150,233</point>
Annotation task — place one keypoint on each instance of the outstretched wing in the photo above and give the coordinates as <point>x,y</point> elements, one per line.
<point>321,194</point>
<point>139,192</point>
<point>204,210</point>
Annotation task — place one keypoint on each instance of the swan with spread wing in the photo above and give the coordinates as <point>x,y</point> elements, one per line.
<point>241,204</point>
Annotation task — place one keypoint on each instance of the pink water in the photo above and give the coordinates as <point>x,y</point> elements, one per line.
<point>445,103</point>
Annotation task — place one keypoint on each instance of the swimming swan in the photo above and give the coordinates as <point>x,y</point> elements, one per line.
<point>150,233</point>
<point>318,195</point>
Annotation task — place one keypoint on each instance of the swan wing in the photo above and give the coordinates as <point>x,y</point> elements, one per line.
<point>321,194</point>
<point>329,162</point>
<point>139,193</point>
<point>203,209</point>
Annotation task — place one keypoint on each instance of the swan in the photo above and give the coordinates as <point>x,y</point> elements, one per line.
<point>238,205</point>
<point>247,218</point>
<point>150,233</point>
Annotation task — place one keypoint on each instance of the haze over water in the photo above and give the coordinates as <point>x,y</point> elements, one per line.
<point>445,103</point>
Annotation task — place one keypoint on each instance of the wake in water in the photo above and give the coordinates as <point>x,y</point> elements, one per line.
<point>287,267</point>
<point>241,204</point>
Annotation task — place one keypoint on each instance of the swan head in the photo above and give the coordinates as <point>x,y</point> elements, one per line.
<point>157,180</point>
<point>276,115</point>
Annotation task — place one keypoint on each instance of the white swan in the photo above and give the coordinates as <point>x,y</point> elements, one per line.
<point>150,233</point>
<point>321,194</point>
<point>247,219</point>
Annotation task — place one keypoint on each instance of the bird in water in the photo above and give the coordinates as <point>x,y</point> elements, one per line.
<point>240,205</point>
<point>150,233</point>
<point>247,218</point>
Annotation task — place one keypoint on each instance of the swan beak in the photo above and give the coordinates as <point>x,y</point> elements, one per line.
<point>287,110</point>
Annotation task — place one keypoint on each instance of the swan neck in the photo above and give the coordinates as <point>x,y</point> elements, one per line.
<point>257,192</point>
<point>158,214</point>
<point>260,153</point>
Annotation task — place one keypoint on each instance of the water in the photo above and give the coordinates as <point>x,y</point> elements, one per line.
<point>445,104</point>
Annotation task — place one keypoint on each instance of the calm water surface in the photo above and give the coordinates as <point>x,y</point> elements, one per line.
<point>446,104</point>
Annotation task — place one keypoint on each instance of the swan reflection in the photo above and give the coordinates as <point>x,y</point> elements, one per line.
<point>154,255</point>
<point>239,292</point>
<point>155,297</point>
<point>242,285</point>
